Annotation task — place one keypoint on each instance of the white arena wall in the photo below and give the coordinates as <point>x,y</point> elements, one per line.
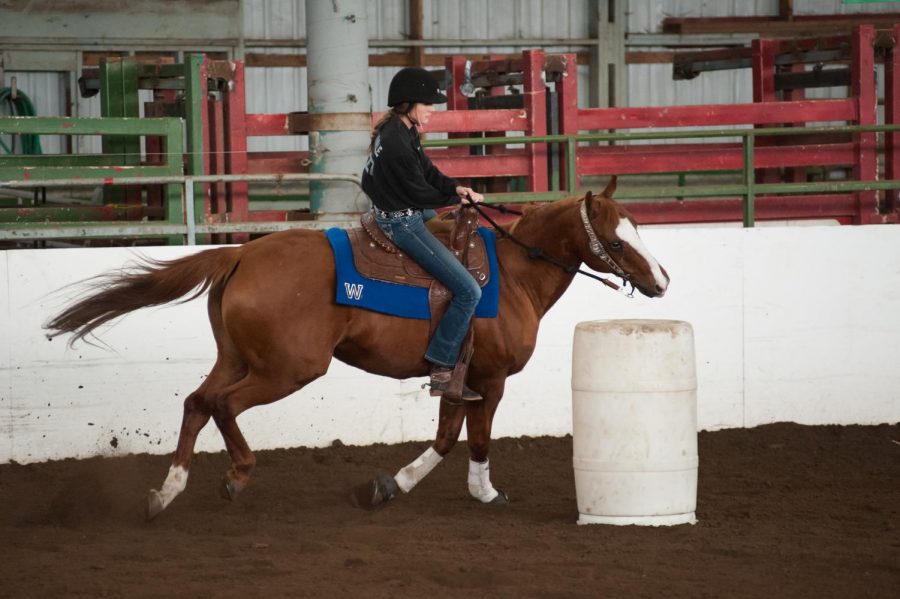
<point>791,324</point>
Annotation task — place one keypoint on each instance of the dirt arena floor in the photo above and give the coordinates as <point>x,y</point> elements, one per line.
<point>784,511</point>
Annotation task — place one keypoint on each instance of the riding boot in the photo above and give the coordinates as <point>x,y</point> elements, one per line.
<point>457,389</point>
<point>441,386</point>
<point>440,379</point>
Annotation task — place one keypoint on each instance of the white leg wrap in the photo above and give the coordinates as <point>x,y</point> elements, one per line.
<point>175,483</point>
<point>480,486</point>
<point>410,475</point>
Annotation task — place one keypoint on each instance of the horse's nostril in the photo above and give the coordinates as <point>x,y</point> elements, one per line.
<point>660,288</point>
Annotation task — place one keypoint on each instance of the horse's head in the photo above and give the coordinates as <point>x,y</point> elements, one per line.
<point>614,246</point>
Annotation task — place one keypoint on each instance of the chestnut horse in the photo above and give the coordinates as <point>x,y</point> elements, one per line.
<point>277,327</point>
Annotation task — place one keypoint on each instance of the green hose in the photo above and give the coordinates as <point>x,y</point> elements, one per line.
<point>21,106</point>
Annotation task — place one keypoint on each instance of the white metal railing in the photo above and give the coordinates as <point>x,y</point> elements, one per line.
<point>189,228</point>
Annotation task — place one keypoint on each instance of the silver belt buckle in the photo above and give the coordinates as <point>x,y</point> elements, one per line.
<point>395,214</point>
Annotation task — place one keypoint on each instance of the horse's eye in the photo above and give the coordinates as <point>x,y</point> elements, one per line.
<point>616,245</point>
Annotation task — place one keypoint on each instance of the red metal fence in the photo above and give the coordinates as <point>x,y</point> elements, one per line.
<point>858,152</point>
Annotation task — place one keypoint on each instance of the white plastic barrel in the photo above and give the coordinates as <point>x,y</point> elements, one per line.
<point>634,416</point>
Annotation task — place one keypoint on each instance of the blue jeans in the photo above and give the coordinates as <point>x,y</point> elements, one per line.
<point>411,236</point>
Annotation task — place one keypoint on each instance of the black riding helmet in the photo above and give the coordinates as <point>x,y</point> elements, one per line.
<point>412,85</point>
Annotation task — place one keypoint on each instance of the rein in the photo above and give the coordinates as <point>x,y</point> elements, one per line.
<point>536,252</point>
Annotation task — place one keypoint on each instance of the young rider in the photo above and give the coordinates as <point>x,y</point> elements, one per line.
<point>404,187</point>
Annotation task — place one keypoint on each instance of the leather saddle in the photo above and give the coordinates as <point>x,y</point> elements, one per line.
<point>376,256</point>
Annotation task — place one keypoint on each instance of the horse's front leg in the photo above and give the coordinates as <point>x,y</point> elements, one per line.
<point>386,487</point>
<point>479,419</point>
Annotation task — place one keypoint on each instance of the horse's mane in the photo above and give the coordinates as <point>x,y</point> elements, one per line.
<point>530,210</point>
<point>534,209</point>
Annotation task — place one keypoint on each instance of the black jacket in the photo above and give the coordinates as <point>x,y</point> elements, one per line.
<point>399,175</point>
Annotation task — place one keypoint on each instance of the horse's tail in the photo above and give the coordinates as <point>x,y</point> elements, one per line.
<point>149,283</point>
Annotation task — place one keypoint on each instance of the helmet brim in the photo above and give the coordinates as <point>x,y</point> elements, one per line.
<point>437,98</point>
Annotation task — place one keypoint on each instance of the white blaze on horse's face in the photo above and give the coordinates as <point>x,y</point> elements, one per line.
<point>627,232</point>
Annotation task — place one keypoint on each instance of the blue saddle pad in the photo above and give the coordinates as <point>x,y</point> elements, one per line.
<point>397,299</point>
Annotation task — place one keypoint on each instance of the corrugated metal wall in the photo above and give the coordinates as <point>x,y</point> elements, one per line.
<point>506,19</point>
<point>646,16</point>
<point>278,89</point>
<point>649,84</point>
<point>652,84</point>
<point>268,23</point>
<point>831,7</point>
<point>285,88</point>
<point>47,92</point>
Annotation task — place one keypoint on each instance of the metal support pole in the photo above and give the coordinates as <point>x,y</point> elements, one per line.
<point>195,84</point>
<point>749,179</point>
<point>892,117</point>
<point>863,88</point>
<point>571,174</point>
<point>535,101</point>
<point>189,211</point>
<point>608,71</point>
<point>340,102</point>
<point>567,94</point>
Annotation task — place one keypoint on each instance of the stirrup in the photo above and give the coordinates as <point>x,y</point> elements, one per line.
<point>470,394</point>
<point>467,394</point>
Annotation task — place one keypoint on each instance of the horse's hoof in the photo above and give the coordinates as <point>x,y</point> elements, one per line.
<point>229,490</point>
<point>375,492</point>
<point>501,499</point>
<point>154,504</point>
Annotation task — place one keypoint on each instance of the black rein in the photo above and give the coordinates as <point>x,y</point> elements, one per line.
<point>532,251</point>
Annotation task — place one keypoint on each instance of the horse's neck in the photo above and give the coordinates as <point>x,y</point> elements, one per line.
<point>551,228</point>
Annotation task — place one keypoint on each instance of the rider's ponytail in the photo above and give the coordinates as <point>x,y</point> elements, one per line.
<point>398,110</point>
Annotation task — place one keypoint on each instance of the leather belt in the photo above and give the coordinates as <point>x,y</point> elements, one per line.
<point>395,214</point>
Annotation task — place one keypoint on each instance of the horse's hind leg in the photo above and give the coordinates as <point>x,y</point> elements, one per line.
<point>193,421</point>
<point>228,369</point>
<point>253,390</point>
<point>197,412</point>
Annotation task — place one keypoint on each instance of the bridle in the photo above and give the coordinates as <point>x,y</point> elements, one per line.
<point>596,247</point>
<point>535,252</point>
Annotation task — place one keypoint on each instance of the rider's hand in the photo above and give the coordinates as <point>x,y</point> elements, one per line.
<point>468,194</point>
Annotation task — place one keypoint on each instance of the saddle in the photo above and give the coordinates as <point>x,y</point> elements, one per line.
<point>376,257</point>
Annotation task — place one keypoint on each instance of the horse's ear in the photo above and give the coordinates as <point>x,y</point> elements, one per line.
<point>588,199</point>
<point>610,187</point>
